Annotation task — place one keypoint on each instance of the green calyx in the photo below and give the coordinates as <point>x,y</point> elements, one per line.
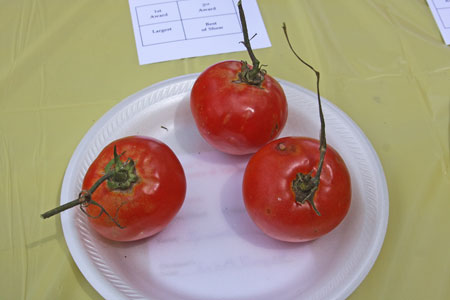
<point>251,76</point>
<point>123,174</point>
<point>304,187</point>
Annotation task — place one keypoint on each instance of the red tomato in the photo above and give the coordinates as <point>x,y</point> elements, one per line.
<point>269,197</point>
<point>151,202</point>
<point>237,118</point>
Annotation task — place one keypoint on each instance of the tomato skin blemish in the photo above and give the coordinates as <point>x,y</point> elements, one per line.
<point>281,147</point>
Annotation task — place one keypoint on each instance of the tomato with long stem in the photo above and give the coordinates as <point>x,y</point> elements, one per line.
<point>297,189</point>
<point>238,108</point>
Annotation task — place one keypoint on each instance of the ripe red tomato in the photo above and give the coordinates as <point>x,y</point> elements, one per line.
<point>270,199</point>
<point>233,117</point>
<point>153,197</point>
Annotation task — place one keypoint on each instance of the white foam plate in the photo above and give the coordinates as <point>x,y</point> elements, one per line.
<point>212,250</point>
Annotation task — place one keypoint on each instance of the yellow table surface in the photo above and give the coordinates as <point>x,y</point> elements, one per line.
<point>63,64</point>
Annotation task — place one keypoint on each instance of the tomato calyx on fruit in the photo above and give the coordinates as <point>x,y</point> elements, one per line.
<point>123,173</point>
<point>118,175</point>
<point>305,186</point>
<point>249,75</point>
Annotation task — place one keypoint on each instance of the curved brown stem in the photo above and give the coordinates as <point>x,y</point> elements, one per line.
<point>305,186</point>
<point>102,211</point>
<point>118,175</point>
<point>84,197</point>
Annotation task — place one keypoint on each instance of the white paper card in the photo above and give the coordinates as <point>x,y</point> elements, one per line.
<point>167,30</point>
<point>441,13</point>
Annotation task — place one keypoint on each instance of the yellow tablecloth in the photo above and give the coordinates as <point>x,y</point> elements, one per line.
<point>63,64</point>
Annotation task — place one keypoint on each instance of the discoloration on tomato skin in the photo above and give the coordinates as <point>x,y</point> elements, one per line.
<point>267,186</point>
<point>275,131</point>
<point>233,117</point>
<point>225,120</point>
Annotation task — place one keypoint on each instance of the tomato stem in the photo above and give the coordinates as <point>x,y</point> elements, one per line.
<point>249,75</point>
<point>83,198</point>
<point>118,175</point>
<point>102,211</point>
<point>305,186</point>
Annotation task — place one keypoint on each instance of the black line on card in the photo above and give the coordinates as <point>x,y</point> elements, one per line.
<point>181,19</point>
<point>440,17</point>
<point>166,22</point>
<point>140,32</point>
<point>237,15</point>
<point>188,19</point>
<point>188,39</point>
<point>172,41</point>
<point>220,15</point>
